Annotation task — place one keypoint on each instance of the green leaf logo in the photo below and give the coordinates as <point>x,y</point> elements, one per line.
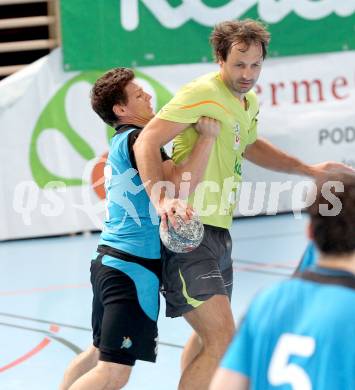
<point>68,127</point>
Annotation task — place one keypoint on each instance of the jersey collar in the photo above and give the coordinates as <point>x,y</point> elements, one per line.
<point>121,128</point>
<point>330,271</point>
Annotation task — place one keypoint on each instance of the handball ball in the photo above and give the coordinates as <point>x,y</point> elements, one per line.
<point>187,236</point>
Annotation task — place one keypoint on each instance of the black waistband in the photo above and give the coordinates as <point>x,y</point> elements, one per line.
<point>153,265</point>
<point>217,228</point>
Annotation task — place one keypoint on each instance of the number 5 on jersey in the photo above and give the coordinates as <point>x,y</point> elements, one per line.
<point>281,371</point>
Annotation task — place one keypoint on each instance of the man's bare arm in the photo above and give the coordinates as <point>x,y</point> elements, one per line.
<point>229,380</point>
<point>266,155</point>
<point>195,164</point>
<point>156,134</point>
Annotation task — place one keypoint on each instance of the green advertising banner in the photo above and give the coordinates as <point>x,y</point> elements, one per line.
<point>109,33</point>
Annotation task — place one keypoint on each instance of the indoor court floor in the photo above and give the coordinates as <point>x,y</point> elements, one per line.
<point>45,301</point>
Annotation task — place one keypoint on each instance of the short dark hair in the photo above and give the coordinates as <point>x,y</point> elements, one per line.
<point>334,234</point>
<point>246,31</point>
<point>109,90</point>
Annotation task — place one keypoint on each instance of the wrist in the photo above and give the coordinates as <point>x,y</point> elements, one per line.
<point>158,199</point>
<point>208,137</point>
<point>306,170</point>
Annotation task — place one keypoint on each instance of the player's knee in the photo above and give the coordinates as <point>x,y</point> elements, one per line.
<point>217,341</point>
<point>119,378</point>
<point>92,354</point>
<point>116,375</point>
<point>221,329</point>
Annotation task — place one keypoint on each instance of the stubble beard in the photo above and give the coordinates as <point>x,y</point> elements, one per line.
<point>242,90</point>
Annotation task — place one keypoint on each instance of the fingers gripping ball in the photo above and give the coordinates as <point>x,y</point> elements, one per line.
<point>187,236</point>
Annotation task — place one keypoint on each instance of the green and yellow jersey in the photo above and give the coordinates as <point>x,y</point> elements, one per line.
<point>215,197</point>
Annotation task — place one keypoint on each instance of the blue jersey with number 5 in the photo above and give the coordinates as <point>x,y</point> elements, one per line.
<point>299,335</point>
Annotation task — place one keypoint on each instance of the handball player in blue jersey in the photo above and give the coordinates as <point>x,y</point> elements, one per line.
<point>126,268</point>
<point>299,334</point>
<point>311,253</point>
<point>309,257</point>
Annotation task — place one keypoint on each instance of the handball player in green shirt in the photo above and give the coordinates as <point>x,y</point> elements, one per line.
<point>198,284</point>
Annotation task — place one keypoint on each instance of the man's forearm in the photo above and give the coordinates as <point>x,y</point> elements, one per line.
<point>195,164</point>
<point>148,158</point>
<point>268,156</point>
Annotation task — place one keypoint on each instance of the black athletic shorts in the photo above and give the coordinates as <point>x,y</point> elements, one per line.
<point>189,279</point>
<point>125,306</point>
